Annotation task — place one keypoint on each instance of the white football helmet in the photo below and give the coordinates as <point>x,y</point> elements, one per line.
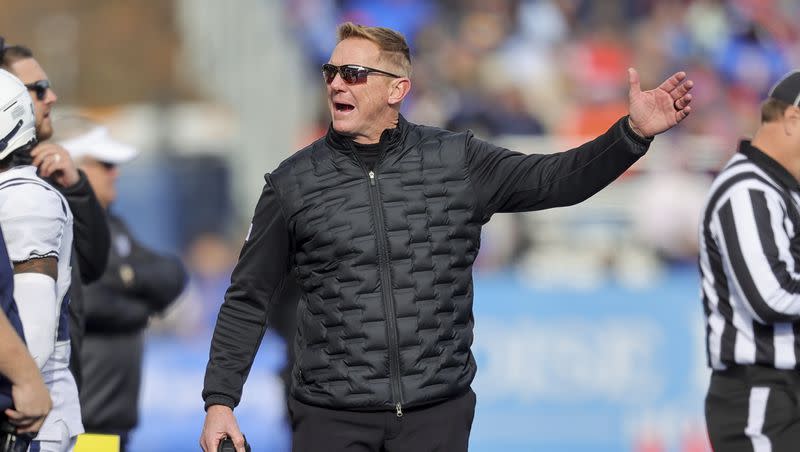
<point>17,120</point>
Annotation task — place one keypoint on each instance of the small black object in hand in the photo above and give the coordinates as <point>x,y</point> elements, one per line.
<point>226,445</point>
<point>10,441</point>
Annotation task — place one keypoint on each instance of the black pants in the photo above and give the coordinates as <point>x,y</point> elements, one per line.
<point>443,427</point>
<point>754,409</point>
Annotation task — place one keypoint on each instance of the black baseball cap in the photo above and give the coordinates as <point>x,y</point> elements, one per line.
<point>787,89</point>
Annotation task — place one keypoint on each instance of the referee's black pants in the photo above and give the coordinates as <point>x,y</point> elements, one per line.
<point>442,427</point>
<point>754,409</point>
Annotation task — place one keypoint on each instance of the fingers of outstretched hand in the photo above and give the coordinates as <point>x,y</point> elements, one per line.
<point>680,115</point>
<point>673,82</point>
<point>683,108</point>
<point>683,102</point>
<point>682,89</point>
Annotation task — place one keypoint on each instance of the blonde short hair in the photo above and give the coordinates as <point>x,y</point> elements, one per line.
<point>392,44</point>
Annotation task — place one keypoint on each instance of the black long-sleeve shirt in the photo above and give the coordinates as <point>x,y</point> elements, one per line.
<point>503,180</point>
<point>91,238</point>
<point>91,242</point>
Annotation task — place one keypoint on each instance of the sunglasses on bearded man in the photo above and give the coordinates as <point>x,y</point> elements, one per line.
<point>352,74</point>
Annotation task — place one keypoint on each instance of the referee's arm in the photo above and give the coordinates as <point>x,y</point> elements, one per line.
<point>752,222</point>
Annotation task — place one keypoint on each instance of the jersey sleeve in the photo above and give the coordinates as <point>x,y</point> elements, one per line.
<point>33,218</point>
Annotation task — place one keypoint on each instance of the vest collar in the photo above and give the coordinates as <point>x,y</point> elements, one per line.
<point>391,139</point>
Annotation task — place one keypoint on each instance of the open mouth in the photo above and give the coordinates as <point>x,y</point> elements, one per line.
<point>343,107</point>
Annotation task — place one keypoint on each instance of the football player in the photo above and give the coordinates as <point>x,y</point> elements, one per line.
<point>37,224</point>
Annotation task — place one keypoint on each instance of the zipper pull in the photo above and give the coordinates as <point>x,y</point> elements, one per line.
<point>372,177</point>
<point>399,409</point>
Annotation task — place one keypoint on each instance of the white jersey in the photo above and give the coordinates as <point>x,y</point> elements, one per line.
<point>37,223</point>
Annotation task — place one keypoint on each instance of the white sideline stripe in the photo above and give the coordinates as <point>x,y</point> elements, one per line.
<point>755,420</point>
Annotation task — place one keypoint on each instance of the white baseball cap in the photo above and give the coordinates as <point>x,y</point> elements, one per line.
<point>98,144</point>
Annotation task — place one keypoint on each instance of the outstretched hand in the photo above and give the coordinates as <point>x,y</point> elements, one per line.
<point>658,110</point>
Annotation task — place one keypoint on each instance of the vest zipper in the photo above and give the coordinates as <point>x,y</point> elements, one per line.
<point>386,292</point>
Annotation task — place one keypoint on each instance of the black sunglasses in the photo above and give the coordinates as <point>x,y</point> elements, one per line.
<point>40,87</point>
<point>108,166</point>
<point>352,74</point>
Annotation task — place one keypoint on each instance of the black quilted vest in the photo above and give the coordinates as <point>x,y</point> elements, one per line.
<point>384,261</point>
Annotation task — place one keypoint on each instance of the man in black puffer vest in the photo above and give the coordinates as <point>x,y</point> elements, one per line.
<point>379,224</point>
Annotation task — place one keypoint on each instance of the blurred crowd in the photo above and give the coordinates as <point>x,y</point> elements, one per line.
<point>552,72</point>
<point>558,67</point>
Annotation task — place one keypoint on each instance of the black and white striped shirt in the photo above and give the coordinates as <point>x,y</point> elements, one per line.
<point>750,264</point>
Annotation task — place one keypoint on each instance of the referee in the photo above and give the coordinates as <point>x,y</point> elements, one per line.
<point>750,268</point>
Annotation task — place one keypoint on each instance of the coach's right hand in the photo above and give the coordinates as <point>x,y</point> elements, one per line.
<point>219,424</point>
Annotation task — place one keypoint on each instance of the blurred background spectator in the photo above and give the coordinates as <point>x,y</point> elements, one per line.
<point>137,283</point>
<point>215,94</point>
